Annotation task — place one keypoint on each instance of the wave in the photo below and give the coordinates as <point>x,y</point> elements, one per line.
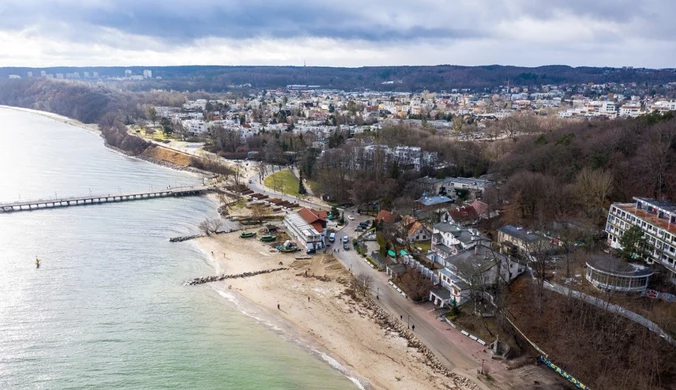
<point>287,336</point>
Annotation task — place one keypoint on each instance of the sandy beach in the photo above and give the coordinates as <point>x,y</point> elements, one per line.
<point>322,314</point>
<point>59,118</point>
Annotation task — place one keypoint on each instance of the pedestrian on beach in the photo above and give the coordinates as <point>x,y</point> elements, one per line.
<point>413,327</point>
<point>401,317</point>
<point>278,307</point>
<point>308,299</point>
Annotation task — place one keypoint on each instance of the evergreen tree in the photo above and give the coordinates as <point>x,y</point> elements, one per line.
<point>634,245</point>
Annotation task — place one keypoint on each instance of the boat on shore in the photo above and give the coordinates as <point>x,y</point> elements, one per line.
<point>247,235</point>
<point>268,238</point>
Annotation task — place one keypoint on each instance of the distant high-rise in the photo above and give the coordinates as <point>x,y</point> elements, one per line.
<point>43,73</point>
<point>127,73</point>
<point>59,75</point>
<point>96,74</point>
<point>29,74</point>
<point>147,74</point>
<point>86,74</point>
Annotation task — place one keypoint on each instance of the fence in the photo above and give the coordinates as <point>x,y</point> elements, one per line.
<point>418,266</point>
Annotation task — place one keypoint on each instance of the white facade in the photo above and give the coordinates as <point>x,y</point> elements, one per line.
<point>632,110</point>
<point>147,74</point>
<point>195,126</point>
<point>303,232</point>
<point>657,220</point>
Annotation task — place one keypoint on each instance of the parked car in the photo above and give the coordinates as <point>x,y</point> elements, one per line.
<point>311,251</point>
<point>359,229</point>
<point>332,237</point>
<point>346,246</point>
<point>346,239</point>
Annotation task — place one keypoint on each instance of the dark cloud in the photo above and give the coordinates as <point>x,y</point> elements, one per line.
<point>183,22</point>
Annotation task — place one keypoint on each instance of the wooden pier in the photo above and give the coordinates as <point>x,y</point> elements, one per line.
<point>42,204</point>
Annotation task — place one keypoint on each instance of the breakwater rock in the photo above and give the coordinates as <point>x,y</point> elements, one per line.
<point>185,238</point>
<point>216,278</point>
<point>392,324</point>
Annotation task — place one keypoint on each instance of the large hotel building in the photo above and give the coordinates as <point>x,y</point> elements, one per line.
<point>657,220</point>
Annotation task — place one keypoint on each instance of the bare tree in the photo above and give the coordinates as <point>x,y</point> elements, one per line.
<point>362,284</point>
<point>537,257</point>
<point>210,226</point>
<point>257,212</point>
<point>592,188</point>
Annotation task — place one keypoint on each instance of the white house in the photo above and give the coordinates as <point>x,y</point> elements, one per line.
<point>449,239</point>
<point>308,227</point>
<point>471,269</point>
<point>194,126</point>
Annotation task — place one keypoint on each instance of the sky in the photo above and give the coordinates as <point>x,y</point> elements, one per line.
<point>349,33</point>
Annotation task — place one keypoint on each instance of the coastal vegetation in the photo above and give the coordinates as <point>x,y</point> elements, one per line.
<point>283,181</point>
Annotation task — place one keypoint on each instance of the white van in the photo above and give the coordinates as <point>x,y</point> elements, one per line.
<point>332,237</point>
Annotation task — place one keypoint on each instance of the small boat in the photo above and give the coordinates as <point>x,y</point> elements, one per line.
<point>289,250</point>
<point>247,235</point>
<point>268,238</point>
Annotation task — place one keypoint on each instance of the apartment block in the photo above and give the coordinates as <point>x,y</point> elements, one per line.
<point>657,220</point>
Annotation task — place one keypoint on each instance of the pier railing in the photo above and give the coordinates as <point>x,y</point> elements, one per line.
<point>40,204</point>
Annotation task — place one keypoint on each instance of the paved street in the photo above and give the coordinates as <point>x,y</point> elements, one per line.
<point>452,348</point>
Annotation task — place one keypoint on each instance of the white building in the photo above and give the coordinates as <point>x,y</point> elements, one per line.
<point>631,109</point>
<point>471,269</point>
<point>657,220</point>
<point>127,73</point>
<point>14,76</point>
<point>307,227</point>
<point>147,74</point>
<point>448,239</point>
<point>194,126</point>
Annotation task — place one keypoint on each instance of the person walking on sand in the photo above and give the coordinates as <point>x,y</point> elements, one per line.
<point>308,299</point>
<point>37,262</point>
<point>413,328</point>
<point>278,307</point>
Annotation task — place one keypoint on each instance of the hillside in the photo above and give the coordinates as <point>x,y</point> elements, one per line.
<point>384,78</point>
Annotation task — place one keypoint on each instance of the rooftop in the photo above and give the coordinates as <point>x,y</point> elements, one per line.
<point>303,226</point>
<point>665,205</point>
<point>521,234</point>
<point>434,200</point>
<point>646,216</point>
<point>616,266</point>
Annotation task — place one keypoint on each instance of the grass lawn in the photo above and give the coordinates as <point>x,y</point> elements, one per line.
<point>283,181</point>
<point>424,245</point>
<point>314,186</point>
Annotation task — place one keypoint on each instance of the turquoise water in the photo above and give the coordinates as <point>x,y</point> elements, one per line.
<point>107,308</point>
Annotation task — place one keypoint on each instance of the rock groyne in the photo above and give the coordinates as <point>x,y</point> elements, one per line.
<point>217,278</point>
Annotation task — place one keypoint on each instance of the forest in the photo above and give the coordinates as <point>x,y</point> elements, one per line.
<point>402,78</point>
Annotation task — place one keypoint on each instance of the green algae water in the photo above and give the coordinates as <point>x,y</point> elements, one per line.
<point>107,309</point>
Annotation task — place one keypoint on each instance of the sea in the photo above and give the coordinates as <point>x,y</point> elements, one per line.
<point>108,308</point>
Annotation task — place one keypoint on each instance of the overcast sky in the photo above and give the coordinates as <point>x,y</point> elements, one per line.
<point>338,33</point>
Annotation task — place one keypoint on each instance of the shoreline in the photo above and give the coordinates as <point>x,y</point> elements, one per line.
<point>318,309</point>
<point>91,127</point>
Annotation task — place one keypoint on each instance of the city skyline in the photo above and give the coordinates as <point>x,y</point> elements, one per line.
<point>352,34</point>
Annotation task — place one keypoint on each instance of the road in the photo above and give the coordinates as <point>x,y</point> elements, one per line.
<point>433,333</point>
<point>389,299</point>
<point>429,332</point>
